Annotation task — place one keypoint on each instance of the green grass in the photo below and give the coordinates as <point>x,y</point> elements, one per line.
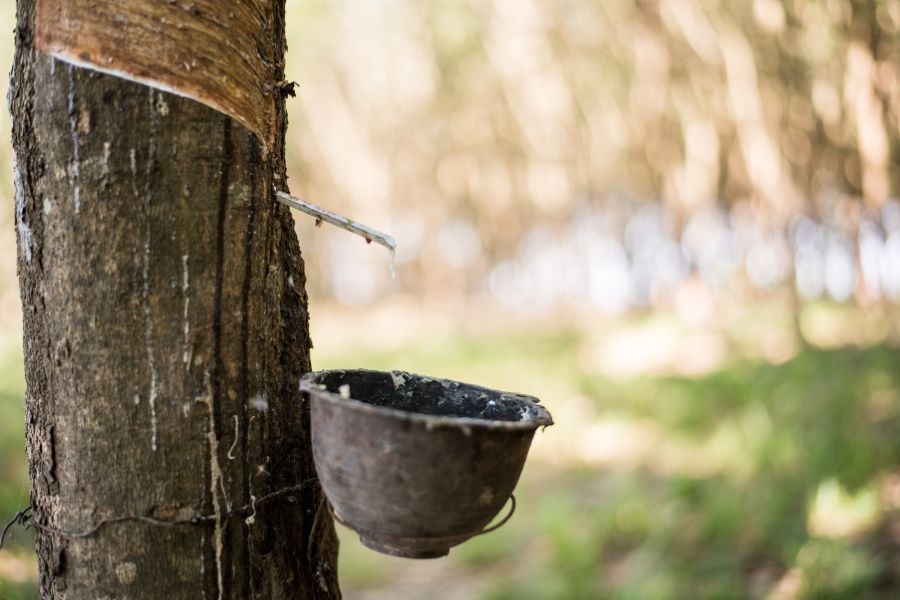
<point>757,475</point>
<point>729,520</point>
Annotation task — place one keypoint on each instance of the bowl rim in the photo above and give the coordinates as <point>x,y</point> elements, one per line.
<point>541,416</point>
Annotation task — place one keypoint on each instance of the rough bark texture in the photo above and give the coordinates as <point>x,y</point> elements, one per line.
<point>165,333</point>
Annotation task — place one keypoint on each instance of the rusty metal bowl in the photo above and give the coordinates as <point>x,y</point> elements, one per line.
<point>416,465</point>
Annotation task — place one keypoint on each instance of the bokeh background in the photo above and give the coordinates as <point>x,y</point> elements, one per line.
<point>675,221</point>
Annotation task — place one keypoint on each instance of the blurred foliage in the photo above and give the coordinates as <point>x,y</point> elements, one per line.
<point>461,126</point>
<point>690,530</point>
<point>758,480</point>
<point>483,135</point>
<point>17,560</point>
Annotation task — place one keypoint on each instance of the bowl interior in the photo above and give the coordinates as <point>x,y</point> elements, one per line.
<point>426,395</point>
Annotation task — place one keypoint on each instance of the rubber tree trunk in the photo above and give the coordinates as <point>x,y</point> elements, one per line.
<point>166,328</point>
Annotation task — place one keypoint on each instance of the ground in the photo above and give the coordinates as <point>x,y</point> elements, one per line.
<point>693,457</point>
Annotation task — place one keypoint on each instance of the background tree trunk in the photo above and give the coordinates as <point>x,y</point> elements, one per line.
<point>166,329</point>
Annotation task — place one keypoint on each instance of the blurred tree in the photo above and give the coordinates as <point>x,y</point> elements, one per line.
<point>165,328</point>
<point>524,115</point>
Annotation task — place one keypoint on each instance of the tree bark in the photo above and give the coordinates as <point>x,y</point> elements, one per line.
<point>165,331</point>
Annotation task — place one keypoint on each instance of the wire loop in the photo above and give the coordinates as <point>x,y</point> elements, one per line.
<point>25,517</point>
<point>408,539</point>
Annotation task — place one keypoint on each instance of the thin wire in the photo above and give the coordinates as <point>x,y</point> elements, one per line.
<point>502,521</point>
<point>21,518</point>
<point>312,531</point>
<point>25,518</point>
